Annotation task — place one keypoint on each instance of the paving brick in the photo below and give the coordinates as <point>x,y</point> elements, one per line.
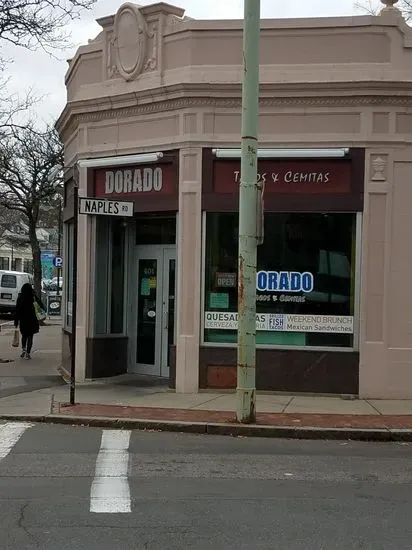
<point>269,419</point>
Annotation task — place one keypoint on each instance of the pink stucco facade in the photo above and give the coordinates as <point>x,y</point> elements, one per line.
<point>171,82</point>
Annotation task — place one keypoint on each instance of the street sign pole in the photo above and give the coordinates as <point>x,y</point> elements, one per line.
<point>76,177</point>
<point>59,244</point>
<point>248,201</point>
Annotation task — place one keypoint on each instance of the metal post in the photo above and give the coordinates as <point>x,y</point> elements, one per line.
<point>74,283</point>
<point>248,196</point>
<point>59,244</point>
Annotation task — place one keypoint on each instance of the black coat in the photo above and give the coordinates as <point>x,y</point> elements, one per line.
<point>26,317</point>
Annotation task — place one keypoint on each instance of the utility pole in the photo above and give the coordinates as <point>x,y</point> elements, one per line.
<point>248,206</point>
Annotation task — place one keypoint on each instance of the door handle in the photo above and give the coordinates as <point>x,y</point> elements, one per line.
<point>166,319</point>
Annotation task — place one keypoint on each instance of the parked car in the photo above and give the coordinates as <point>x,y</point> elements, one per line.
<point>10,286</point>
<point>50,285</point>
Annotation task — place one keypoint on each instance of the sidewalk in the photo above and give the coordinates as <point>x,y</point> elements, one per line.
<point>142,402</point>
<point>19,377</point>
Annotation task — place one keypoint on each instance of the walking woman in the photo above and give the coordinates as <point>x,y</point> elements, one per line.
<point>26,318</point>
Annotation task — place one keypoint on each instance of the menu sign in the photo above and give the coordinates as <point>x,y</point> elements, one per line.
<point>288,177</point>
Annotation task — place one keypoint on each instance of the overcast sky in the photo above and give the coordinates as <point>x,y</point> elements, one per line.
<point>45,75</point>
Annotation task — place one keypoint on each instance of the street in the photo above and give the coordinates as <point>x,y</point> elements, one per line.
<point>88,488</point>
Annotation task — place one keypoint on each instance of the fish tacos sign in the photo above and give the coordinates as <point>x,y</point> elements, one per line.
<point>280,322</point>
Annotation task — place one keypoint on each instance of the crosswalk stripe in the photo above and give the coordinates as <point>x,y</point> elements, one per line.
<point>10,433</point>
<point>110,491</point>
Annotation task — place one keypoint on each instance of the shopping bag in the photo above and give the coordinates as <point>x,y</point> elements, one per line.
<point>16,339</point>
<point>40,313</point>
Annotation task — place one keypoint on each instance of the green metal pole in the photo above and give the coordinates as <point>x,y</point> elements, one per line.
<point>248,196</point>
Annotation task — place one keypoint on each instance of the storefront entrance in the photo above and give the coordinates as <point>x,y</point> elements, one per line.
<point>155,309</point>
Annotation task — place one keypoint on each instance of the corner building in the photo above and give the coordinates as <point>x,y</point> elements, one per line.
<point>153,116</point>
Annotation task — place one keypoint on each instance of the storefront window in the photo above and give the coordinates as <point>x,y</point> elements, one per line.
<point>110,279</point>
<point>117,277</point>
<point>305,283</point>
<point>102,275</point>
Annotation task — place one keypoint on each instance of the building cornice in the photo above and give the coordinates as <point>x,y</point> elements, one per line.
<point>77,113</point>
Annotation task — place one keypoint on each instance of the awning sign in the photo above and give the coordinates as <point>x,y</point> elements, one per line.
<point>101,207</point>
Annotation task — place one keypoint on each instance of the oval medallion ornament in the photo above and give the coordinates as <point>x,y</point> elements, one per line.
<point>130,35</point>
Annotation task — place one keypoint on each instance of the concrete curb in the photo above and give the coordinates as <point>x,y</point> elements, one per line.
<point>215,428</point>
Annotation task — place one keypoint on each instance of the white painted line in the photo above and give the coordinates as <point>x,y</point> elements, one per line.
<point>10,433</point>
<point>110,491</point>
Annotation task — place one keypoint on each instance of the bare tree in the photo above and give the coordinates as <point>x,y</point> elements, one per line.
<point>31,24</point>
<point>373,7</point>
<point>12,107</point>
<point>38,23</point>
<point>28,177</point>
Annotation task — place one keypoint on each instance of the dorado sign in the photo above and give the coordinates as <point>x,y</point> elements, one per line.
<point>133,182</point>
<point>284,281</point>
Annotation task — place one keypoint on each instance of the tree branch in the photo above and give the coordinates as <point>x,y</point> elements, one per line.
<point>371,7</point>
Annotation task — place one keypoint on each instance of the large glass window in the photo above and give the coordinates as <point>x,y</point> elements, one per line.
<point>110,276</point>
<point>102,274</point>
<point>305,283</point>
<point>117,277</point>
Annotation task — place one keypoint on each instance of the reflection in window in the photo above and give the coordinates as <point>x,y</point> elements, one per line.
<point>117,277</point>
<point>156,230</point>
<point>110,281</point>
<point>101,283</point>
<point>320,245</point>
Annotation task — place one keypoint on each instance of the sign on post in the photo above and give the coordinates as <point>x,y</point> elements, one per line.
<point>58,262</point>
<point>102,207</point>
<point>54,305</point>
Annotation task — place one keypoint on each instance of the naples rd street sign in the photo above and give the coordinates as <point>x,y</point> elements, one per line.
<point>101,207</point>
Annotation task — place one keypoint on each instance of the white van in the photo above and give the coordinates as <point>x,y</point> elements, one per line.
<point>10,286</point>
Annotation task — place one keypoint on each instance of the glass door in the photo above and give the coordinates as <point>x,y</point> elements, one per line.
<point>155,309</point>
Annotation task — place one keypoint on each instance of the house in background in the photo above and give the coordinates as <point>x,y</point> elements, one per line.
<point>15,250</point>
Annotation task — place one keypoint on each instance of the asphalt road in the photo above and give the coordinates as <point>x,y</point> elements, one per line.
<point>199,492</point>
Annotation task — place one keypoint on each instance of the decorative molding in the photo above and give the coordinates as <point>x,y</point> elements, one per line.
<point>82,112</point>
<point>151,63</point>
<point>379,166</point>
<point>233,103</point>
<point>112,71</point>
<point>173,20</point>
<point>389,4</point>
<point>130,41</point>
